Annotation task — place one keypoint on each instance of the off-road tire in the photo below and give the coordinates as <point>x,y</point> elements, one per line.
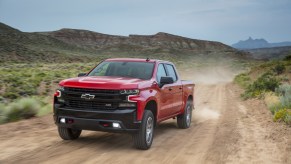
<point>140,139</point>
<point>68,133</point>
<point>184,120</point>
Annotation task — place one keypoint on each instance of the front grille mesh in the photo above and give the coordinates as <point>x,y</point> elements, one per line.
<point>103,99</point>
<point>90,105</point>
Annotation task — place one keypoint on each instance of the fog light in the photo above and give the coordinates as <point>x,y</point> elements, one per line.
<point>127,105</point>
<point>63,120</point>
<point>116,125</point>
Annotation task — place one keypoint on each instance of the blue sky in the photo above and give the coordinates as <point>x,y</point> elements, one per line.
<point>227,21</point>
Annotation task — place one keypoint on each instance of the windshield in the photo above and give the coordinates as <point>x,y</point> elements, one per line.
<point>140,70</point>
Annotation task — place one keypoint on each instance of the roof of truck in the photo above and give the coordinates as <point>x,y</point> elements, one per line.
<point>136,60</point>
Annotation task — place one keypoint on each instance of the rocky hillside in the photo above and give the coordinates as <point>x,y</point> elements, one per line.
<point>160,40</point>
<point>17,46</point>
<point>82,45</point>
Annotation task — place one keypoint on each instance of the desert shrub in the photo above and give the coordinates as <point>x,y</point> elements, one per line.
<point>45,110</point>
<point>282,110</point>
<point>284,89</point>
<point>276,107</point>
<point>287,58</point>
<point>22,109</point>
<point>11,95</point>
<point>2,114</point>
<point>266,82</point>
<point>2,99</point>
<point>272,101</point>
<point>284,92</point>
<point>242,79</point>
<point>283,115</point>
<point>279,69</point>
<point>41,74</point>
<point>287,118</point>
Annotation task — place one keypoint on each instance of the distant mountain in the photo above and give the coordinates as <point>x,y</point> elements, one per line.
<point>82,45</point>
<point>251,43</point>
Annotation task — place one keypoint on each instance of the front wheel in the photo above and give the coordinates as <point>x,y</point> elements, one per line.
<point>144,137</point>
<point>184,120</point>
<point>68,133</point>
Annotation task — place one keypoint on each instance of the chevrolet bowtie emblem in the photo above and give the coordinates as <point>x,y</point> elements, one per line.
<point>87,96</point>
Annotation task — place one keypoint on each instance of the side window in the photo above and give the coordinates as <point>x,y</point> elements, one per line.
<point>171,72</point>
<point>161,72</point>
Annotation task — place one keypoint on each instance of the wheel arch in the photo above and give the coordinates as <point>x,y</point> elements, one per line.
<point>153,107</point>
<point>190,98</point>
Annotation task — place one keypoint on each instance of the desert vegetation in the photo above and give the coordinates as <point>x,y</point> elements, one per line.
<point>27,89</point>
<point>270,81</point>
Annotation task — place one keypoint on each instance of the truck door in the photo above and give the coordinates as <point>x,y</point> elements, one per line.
<point>166,99</point>
<point>176,89</point>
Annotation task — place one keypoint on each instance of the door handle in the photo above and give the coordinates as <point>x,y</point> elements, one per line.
<point>170,89</point>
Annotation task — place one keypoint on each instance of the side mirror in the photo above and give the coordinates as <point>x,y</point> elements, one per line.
<point>82,74</point>
<point>166,80</point>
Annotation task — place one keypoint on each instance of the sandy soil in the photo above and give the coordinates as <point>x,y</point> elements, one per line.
<point>224,130</point>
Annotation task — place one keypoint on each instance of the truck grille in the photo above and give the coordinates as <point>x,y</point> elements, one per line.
<point>102,99</point>
<point>90,105</point>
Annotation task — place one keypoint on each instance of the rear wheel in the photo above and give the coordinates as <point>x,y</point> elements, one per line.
<point>144,137</point>
<point>68,133</point>
<point>184,120</point>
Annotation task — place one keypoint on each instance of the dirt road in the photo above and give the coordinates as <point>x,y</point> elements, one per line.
<point>224,130</point>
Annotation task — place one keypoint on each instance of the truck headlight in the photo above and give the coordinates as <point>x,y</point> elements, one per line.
<point>129,92</point>
<point>58,94</point>
<point>59,91</point>
<point>61,88</point>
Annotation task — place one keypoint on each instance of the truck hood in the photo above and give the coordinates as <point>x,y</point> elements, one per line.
<point>102,82</point>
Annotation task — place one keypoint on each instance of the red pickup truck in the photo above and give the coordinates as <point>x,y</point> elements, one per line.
<point>123,95</point>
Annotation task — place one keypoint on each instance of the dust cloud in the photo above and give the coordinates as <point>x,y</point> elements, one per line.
<point>204,114</point>
<point>207,80</point>
<point>210,75</point>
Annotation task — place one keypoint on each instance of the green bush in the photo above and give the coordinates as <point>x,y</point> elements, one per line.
<point>22,109</point>
<point>282,110</point>
<point>284,92</point>
<point>287,58</point>
<point>45,110</point>
<point>266,82</point>
<point>287,118</point>
<point>2,114</point>
<point>276,107</point>
<point>10,95</point>
<point>279,69</point>
<point>283,115</point>
<point>242,79</point>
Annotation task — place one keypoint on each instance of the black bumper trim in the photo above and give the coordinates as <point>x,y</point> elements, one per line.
<point>93,120</point>
<point>92,124</point>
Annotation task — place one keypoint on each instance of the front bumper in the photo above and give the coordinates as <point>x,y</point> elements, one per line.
<point>97,120</point>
